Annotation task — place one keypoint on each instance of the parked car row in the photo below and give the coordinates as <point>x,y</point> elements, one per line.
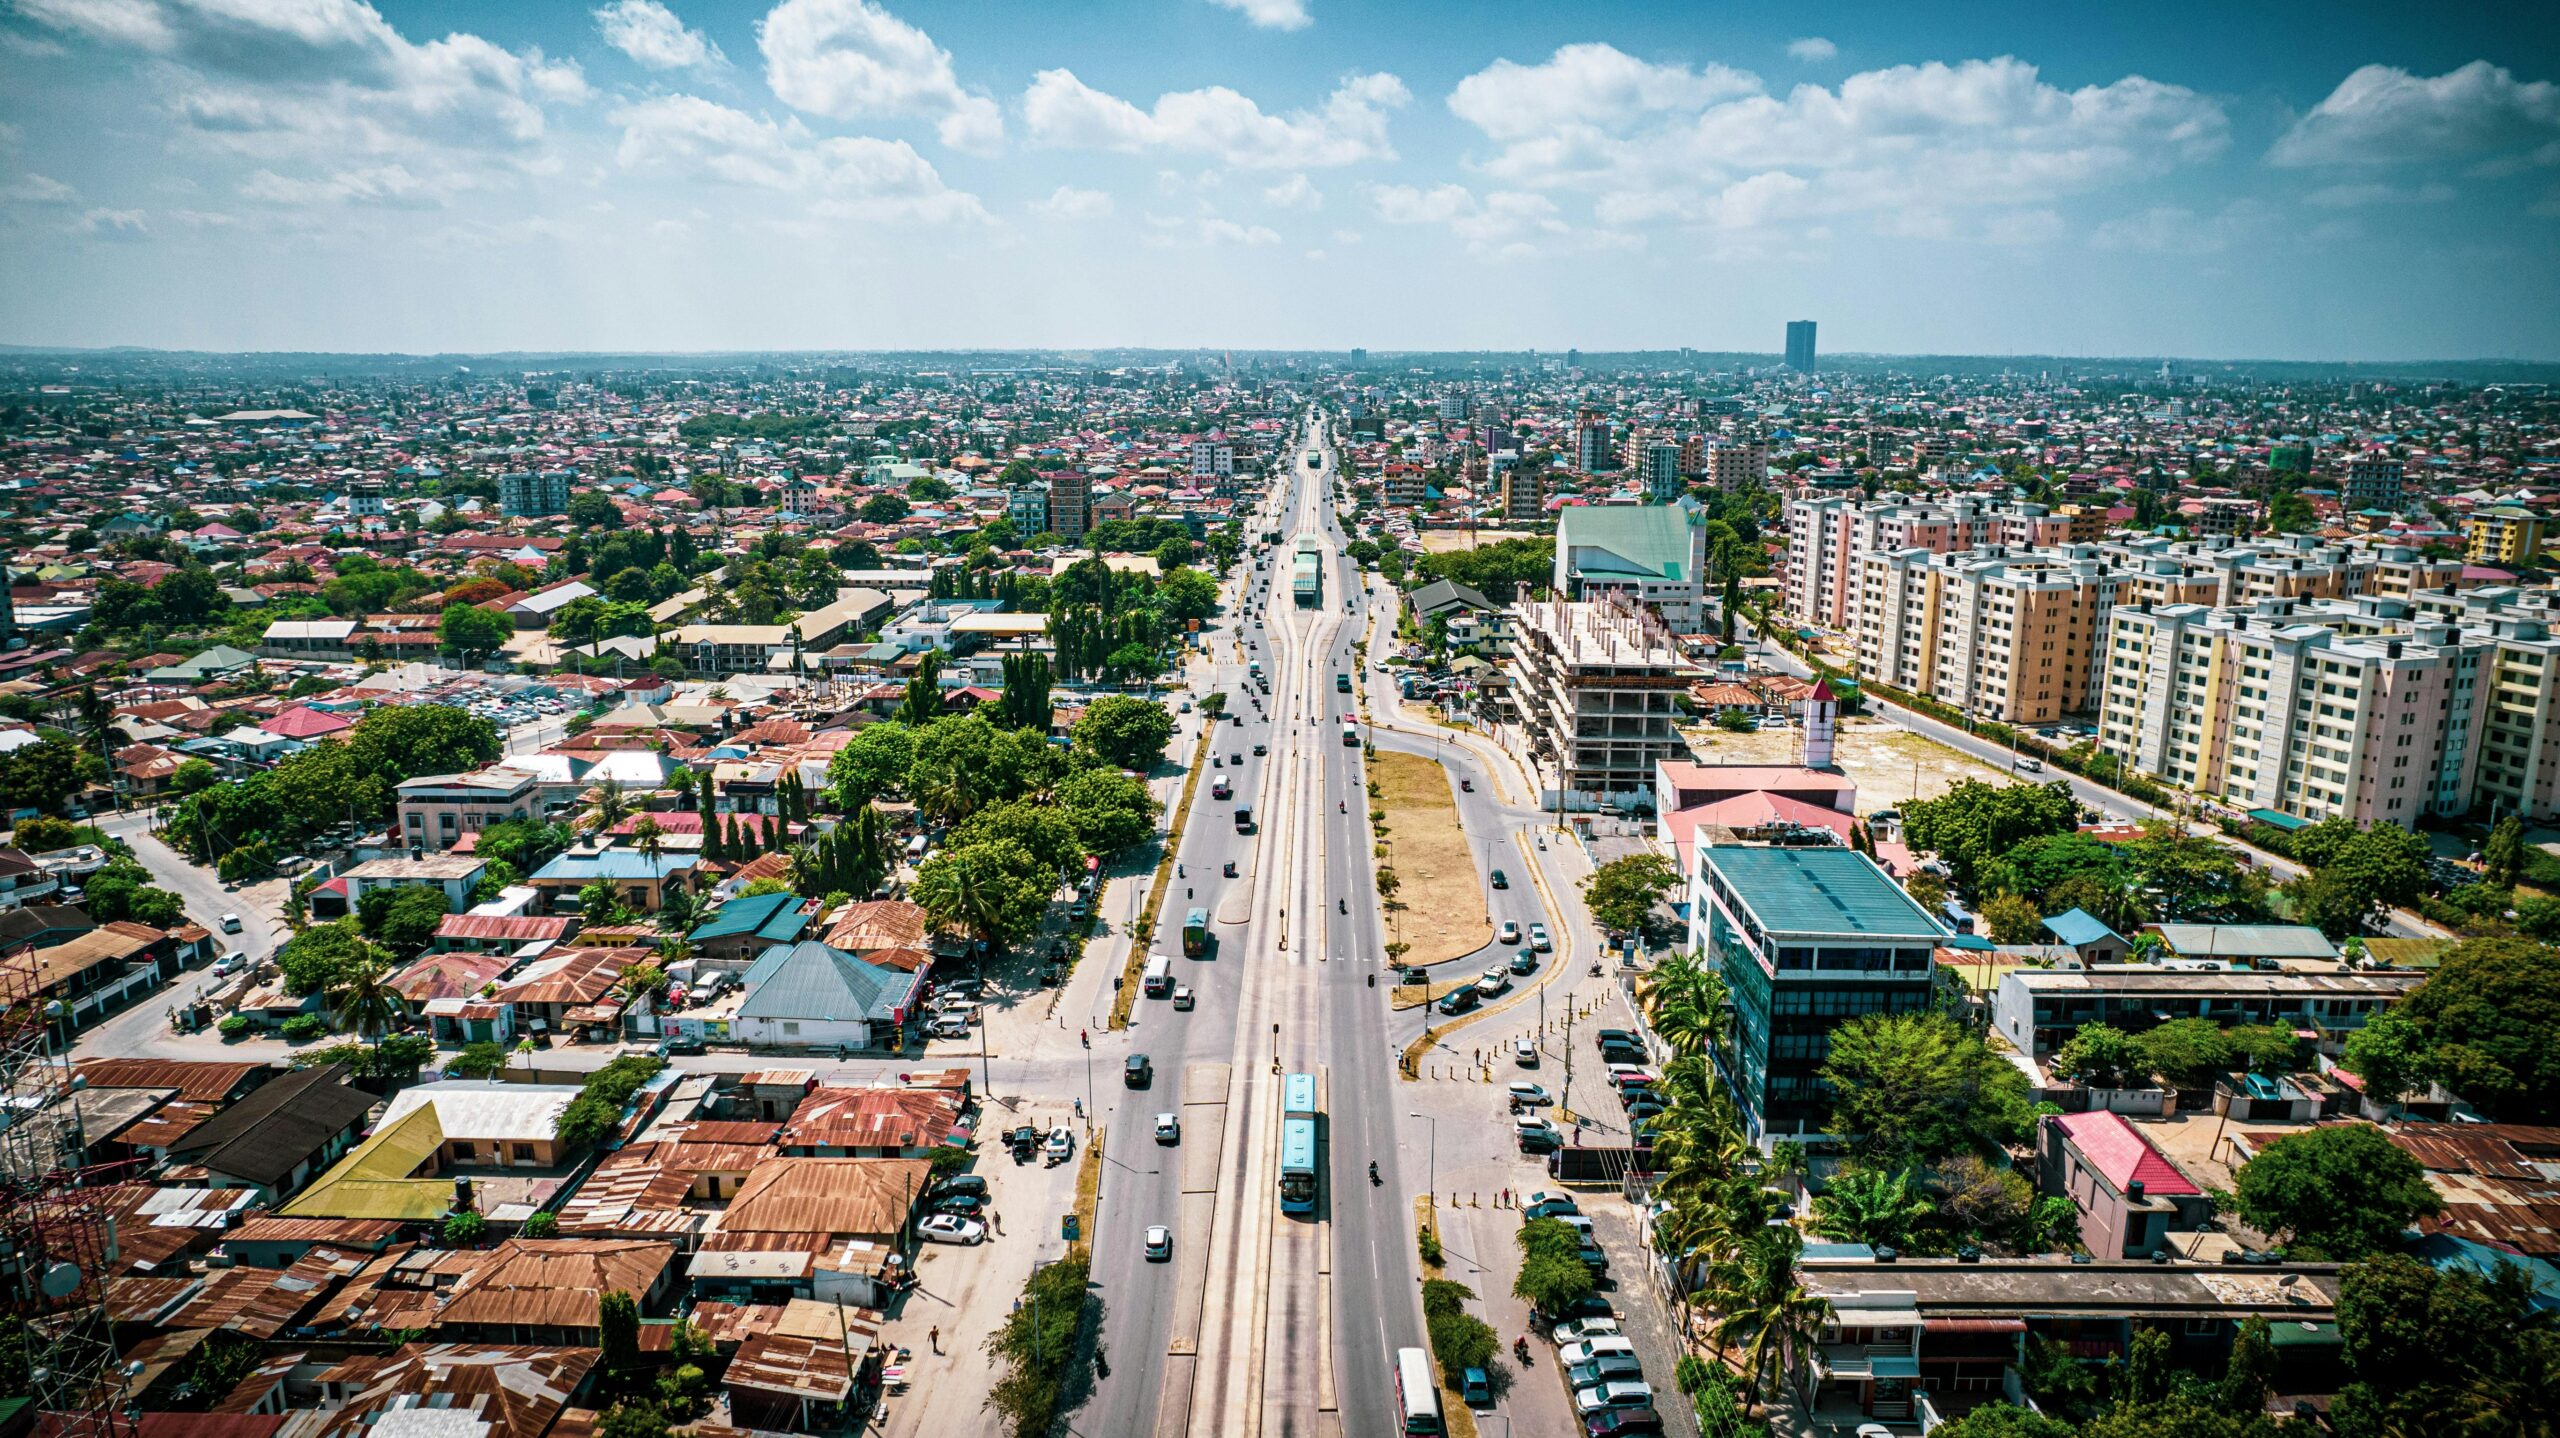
<point>1598,1361</point>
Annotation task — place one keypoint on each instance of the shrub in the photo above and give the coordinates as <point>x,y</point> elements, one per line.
<point>233,1025</point>
<point>302,1028</point>
<point>480,1060</point>
<point>1430,1248</point>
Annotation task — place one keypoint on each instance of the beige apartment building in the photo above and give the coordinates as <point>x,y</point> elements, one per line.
<point>2367,708</point>
<point>1597,689</point>
<point>2005,634</point>
<point>1829,538</point>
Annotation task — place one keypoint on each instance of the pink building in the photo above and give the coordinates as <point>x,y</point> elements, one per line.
<point>2128,1194</point>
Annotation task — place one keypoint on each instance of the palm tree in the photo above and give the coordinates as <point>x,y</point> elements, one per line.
<point>1685,1002</point>
<point>650,839</point>
<point>1766,1313</point>
<point>1874,1206</point>
<point>611,805</point>
<point>365,1002</point>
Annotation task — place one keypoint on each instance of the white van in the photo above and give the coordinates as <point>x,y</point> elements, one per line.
<point>1159,977</point>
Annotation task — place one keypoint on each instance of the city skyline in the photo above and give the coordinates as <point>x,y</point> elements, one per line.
<point>1277,174</point>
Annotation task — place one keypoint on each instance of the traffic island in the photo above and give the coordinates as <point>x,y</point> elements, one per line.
<point>1134,963</point>
<point>1441,911</point>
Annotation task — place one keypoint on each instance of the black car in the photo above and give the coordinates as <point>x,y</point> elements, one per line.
<point>1413,974</point>
<point>1139,1072</point>
<point>1606,1037</point>
<point>961,1183</point>
<point>1590,1305</point>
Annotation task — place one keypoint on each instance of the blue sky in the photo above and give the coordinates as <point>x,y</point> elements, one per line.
<point>2286,181</point>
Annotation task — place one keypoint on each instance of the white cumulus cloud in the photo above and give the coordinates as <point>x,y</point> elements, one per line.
<point>1295,193</point>
<point>1349,127</point>
<point>651,34</point>
<point>1069,203</point>
<point>1812,48</point>
<point>2383,115</point>
<point>702,139</point>
<point>853,60</point>
<point>1708,146</point>
<point>37,190</point>
<point>1270,14</point>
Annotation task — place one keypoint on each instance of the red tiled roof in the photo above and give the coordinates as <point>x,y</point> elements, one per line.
<point>2123,1155</point>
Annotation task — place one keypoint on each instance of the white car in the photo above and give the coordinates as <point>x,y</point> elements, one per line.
<point>951,1228</point>
<point>1183,999</point>
<point>229,964</point>
<point>1592,1345</point>
<point>1578,1330</point>
<point>1600,1397</point>
<point>1159,1243</point>
<point>1538,938</point>
<point>231,923</point>
<point>1492,982</point>
<point>1532,1094</point>
<point>1168,1128</point>
<point>1509,933</point>
<point>1061,1143</point>
<point>1524,1052</point>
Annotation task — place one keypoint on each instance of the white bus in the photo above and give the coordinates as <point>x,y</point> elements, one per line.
<point>1159,976</point>
<point>1417,1397</point>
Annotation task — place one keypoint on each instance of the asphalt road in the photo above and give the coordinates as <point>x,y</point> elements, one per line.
<point>1347,1272</point>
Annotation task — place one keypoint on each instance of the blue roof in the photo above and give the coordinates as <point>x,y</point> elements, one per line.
<point>775,918</point>
<point>2079,927</point>
<point>1820,891</point>
<point>809,980</point>
<point>2451,1253</point>
<point>620,864</point>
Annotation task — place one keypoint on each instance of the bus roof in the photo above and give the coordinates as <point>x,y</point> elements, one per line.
<point>1297,1145</point>
<point>1298,1094</point>
<point>1196,919</point>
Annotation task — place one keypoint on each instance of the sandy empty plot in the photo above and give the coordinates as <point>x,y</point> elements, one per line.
<point>1886,763</point>
<point>1444,897</point>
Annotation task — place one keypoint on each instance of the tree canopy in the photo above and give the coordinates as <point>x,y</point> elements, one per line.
<point>2488,1019</point>
<point>1974,822</point>
<point>1918,1087</point>
<point>2338,1192</point>
<point>1124,731</point>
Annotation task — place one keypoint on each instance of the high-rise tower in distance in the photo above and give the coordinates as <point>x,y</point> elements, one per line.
<point>1800,345</point>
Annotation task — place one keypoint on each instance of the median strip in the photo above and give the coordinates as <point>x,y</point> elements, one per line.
<point>1134,963</point>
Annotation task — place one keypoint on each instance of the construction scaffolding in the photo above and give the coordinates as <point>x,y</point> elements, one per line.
<point>57,1240</point>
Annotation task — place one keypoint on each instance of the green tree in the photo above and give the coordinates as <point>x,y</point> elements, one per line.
<point>1622,892</point>
<point>2099,1055</point>
<point>1918,1087</point>
<point>922,703</point>
<point>2451,1352</point>
<point>1552,1274</point>
<point>2502,857</point>
<point>2339,1192</point>
<point>2183,871</point>
<point>1108,810</point>
<point>1124,732</point>
<point>2187,1052</point>
<point>593,509</point>
<point>44,775</point>
<point>470,633</point>
<point>2388,1056</point>
<point>364,1003</point>
<point>618,1332</point>
<point>1187,594</point>
<point>1041,829</point>
<point>2249,1375</point>
<point>2490,1017</point>
<point>194,776</point>
<point>1973,822</point>
<point>321,957</point>
<point>2012,920</point>
<point>1876,1206</point>
<point>872,764</point>
<point>995,891</point>
<point>411,918</point>
<point>464,1229</point>
<point>1034,1345</point>
<point>1028,680</point>
<point>2034,866</point>
<point>2003,1420</point>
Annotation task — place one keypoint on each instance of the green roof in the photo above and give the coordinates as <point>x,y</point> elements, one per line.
<point>1650,540</point>
<point>769,916</point>
<point>1819,891</point>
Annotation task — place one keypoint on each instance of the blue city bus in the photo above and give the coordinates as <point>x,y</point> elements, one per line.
<point>1298,1143</point>
<point>1195,933</point>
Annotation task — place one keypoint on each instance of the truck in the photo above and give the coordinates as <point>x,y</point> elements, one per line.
<point>1580,1163</point>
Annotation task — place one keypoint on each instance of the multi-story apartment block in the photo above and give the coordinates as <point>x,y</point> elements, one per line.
<point>2373,709</point>
<point>530,493</point>
<point>1591,444</point>
<point>2004,634</point>
<point>1829,537</point>
<point>2038,1010</point>
<point>2502,534</point>
<point>1662,470</point>
<point>2395,571</point>
<point>2374,480</point>
<point>1028,508</point>
<point>1405,485</point>
<point>1212,457</point>
<point>1070,503</point>
<point>1524,493</point>
<point>1737,466</point>
<point>1598,688</point>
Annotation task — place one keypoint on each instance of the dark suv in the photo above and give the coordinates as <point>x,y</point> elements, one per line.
<point>1139,1073</point>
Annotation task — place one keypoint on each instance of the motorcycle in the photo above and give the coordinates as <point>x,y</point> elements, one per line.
<point>1342,906</point>
<point>1373,1173</point>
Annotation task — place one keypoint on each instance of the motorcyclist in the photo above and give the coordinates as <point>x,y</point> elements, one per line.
<point>1373,1170</point>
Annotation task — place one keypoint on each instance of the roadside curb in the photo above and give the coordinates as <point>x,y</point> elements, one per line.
<point>1410,1062</point>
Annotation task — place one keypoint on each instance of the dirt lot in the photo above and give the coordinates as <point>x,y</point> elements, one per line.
<point>1441,541</point>
<point>1443,896</point>
<point>1884,761</point>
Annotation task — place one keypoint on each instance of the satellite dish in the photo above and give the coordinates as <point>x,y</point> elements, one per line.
<point>61,1280</point>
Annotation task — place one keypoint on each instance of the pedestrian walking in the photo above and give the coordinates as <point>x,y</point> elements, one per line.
<point>934,1336</point>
